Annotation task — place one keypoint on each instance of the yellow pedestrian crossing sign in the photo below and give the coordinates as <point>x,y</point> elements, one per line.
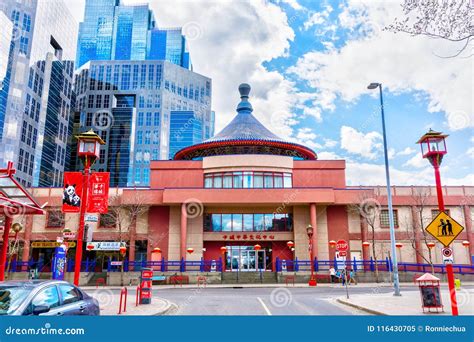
<point>444,228</point>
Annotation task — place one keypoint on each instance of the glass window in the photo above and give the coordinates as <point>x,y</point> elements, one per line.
<point>216,222</point>
<point>287,180</point>
<point>278,181</point>
<point>268,222</point>
<point>48,297</point>
<point>69,294</point>
<point>237,179</point>
<point>248,180</point>
<point>227,180</point>
<point>279,222</point>
<point>226,222</point>
<point>208,181</point>
<point>258,180</point>
<point>217,181</point>
<point>385,219</point>
<point>268,180</point>
<point>248,222</point>
<point>237,222</point>
<point>258,222</point>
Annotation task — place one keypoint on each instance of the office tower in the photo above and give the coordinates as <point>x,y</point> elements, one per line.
<point>185,130</point>
<point>130,104</point>
<point>114,31</point>
<point>37,97</point>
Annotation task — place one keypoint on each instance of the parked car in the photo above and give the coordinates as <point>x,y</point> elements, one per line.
<point>45,297</point>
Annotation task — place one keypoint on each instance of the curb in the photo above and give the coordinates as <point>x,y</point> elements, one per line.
<point>169,308</point>
<point>355,306</point>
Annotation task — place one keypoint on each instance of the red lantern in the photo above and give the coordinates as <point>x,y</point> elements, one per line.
<point>123,250</point>
<point>257,247</point>
<point>399,245</point>
<point>190,250</point>
<point>332,243</point>
<point>430,244</point>
<point>90,247</point>
<point>223,249</point>
<point>465,243</point>
<point>290,244</point>
<point>156,250</point>
<point>365,244</point>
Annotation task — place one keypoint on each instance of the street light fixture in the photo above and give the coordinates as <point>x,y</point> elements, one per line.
<point>396,281</point>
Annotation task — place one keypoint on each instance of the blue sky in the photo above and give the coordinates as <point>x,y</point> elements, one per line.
<point>309,63</point>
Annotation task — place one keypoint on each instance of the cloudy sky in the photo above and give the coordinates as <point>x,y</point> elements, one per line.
<point>309,63</point>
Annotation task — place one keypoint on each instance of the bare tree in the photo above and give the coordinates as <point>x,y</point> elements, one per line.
<point>440,19</point>
<point>415,226</point>
<point>368,208</point>
<point>124,216</point>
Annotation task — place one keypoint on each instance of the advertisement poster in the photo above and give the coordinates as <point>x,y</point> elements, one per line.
<point>98,193</point>
<point>72,192</point>
<point>59,263</point>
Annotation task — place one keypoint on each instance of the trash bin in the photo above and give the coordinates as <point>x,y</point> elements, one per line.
<point>457,283</point>
<point>430,292</point>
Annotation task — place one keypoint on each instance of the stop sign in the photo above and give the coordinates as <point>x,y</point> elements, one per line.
<point>342,245</point>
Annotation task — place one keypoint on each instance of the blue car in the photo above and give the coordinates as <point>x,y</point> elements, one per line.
<point>45,297</point>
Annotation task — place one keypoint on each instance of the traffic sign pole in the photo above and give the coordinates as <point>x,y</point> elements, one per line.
<point>449,267</point>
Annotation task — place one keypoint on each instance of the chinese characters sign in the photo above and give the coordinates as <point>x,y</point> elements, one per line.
<point>98,193</point>
<point>248,237</point>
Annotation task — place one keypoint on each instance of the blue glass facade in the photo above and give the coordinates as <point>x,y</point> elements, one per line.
<point>144,100</point>
<point>186,129</point>
<point>37,90</point>
<point>113,31</point>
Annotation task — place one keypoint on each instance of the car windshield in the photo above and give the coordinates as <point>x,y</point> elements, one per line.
<point>11,298</point>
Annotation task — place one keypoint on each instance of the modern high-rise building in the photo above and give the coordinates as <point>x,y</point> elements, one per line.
<point>131,104</point>
<point>36,97</point>
<point>114,31</point>
<point>186,129</point>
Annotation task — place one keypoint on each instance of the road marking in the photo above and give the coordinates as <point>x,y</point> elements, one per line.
<point>264,306</point>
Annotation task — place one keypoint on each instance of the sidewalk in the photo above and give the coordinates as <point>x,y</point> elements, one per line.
<point>109,303</point>
<point>409,303</point>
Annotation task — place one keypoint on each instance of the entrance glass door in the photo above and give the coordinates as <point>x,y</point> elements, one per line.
<point>246,259</point>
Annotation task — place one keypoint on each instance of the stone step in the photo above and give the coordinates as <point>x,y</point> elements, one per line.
<point>249,278</point>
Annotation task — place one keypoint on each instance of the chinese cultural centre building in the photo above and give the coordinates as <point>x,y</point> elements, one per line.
<point>246,187</point>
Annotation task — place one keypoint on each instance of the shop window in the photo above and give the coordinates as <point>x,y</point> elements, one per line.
<point>107,221</point>
<point>435,212</point>
<point>384,218</point>
<point>55,219</point>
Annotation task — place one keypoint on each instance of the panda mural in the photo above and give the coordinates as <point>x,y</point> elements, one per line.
<point>70,197</point>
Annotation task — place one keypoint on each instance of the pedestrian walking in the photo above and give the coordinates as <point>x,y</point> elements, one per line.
<point>352,278</point>
<point>332,273</point>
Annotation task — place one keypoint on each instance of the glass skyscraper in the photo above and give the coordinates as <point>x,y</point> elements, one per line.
<point>114,31</point>
<point>133,106</point>
<point>36,97</point>
<point>185,130</point>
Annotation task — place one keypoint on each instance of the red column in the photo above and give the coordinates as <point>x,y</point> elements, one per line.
<point>184,217</point>
<point>312,218</point>
<point>27,239</point>
<point>364,235</point>
<point>4,250</point>
<point>131,247</point>
<point>416,232</point>
<point>469,232</point>
<point>439,189</point>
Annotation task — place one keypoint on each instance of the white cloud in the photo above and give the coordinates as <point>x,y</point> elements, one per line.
<point>317,18</point>
<point>306,133</point>
<point>417,161</point>
<point>364,144</point>
<point>293,4</point>
<point>329,143</point>
<point>407,151</point>
<point>470,152</point>
<point>325,155</point>
<point>402,63</point>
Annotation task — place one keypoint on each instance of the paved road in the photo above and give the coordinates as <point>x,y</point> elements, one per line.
<point>263,301</point>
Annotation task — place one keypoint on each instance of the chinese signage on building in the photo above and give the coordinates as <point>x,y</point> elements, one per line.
<point>104,246</point>
<point>248,237</point>
<point>98,198</point>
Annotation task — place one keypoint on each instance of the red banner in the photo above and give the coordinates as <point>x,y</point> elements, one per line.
<point>72,192</point>
<point>98,201</point>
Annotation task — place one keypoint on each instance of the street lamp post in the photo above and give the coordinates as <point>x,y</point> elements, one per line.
<point>88,148</point>
<point>396,281</point>
<point>310,232</point>
<point>433,148</point>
